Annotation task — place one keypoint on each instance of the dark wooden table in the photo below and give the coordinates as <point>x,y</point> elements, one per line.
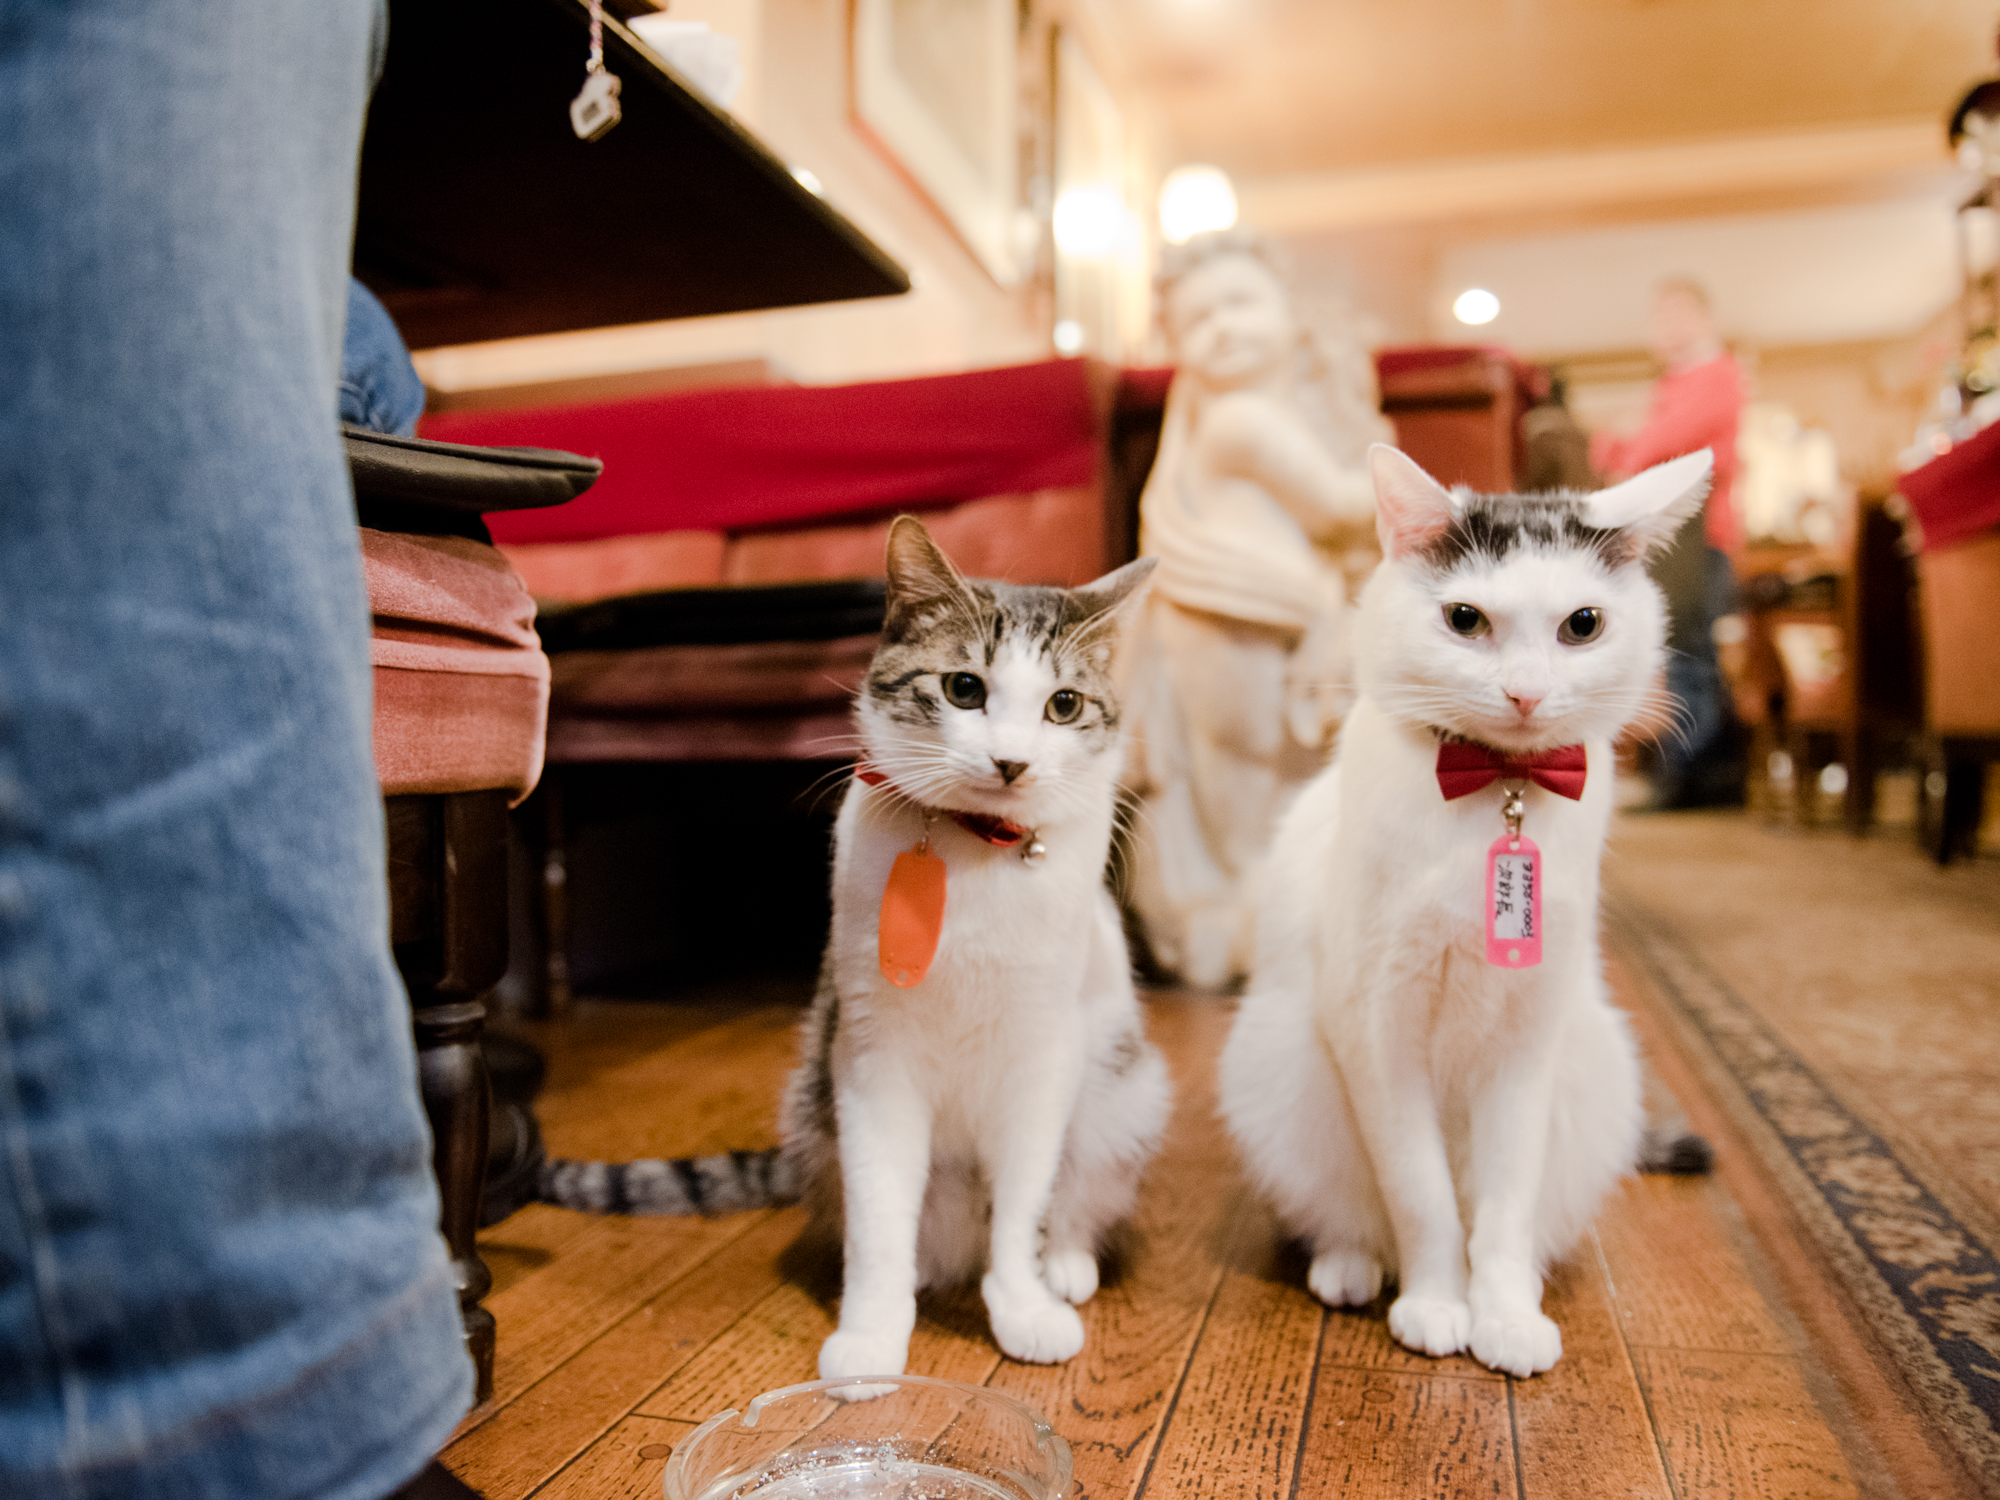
<point>482,216</point>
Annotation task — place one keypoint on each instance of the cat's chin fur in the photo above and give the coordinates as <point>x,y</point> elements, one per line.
<point>991,1121</point>
<point>1418,1115</point>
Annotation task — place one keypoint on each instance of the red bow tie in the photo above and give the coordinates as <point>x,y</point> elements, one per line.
<point>1001,833</point>
<point>1464,768</point>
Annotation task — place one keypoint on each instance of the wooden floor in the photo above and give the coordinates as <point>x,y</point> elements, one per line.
<point>1209,1369</point>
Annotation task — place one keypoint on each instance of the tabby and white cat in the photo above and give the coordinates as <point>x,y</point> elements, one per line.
<point>991,1106</point>
<point>1389,1085</point>
<point>993,1115</point>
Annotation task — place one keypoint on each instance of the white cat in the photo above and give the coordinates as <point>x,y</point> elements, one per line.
<point>993,1114</point>
<point>1388,1085</point>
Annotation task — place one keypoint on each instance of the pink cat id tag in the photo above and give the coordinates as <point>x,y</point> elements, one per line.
<point>1514,902</point>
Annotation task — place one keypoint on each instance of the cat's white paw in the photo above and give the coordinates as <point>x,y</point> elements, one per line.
<point>848,1353</point>
<point>1344,1278</point>
<point>1519,1343</point>
<point>1430,1325</point>
<point>1037,1330</point>
<point>1071,1274</point>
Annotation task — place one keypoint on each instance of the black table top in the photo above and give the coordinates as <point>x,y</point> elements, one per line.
<point>482,216</point>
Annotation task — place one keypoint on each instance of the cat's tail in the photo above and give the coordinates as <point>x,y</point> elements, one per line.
<point>728,1183</point>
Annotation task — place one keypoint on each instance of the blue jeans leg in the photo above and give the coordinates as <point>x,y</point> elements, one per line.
<point>220,1274</point>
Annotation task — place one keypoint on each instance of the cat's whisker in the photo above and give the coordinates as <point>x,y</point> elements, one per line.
<point>821,787</point>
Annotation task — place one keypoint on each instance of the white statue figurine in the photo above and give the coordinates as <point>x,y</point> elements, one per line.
<point>1261,513</point>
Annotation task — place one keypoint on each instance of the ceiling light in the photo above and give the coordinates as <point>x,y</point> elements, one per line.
<point>1195,199</point>
<point>1090,222</point>
<point>1476,305</point>
<point>1069,337</point>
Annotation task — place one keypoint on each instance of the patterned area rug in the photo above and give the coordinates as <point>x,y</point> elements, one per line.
<point>1841,1003</point>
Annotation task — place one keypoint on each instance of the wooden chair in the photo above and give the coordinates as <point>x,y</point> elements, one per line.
<point>461,706</point>
<point>1830,670</point>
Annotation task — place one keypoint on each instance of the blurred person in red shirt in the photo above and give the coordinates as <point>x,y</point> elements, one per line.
<point>1697,403</point>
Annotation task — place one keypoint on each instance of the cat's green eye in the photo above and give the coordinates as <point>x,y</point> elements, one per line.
<point>1584,625</point>
<point>1064,705</point>
<point>965,689</point>
<point>1466,620</point>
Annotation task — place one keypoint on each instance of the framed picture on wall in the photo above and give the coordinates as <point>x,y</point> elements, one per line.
<point>936,84</point>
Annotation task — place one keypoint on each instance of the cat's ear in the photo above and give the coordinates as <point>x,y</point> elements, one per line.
<point>1113,589</point>
<point>1098,614</point>
<point>1410,506</point>
<point>920,575</point>
<point>1650,506</point>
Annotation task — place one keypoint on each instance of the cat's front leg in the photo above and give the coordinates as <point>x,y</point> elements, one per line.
<point>1029,1321</point>
<point>885,1144</point>
<point>1389,1083</point>
<point>1510,1140</point>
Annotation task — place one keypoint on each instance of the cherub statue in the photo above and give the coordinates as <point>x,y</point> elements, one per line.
<point>1262,514</point>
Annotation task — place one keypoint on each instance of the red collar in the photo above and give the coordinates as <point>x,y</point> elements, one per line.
<point>999,832</point>
<point>1465,766</point>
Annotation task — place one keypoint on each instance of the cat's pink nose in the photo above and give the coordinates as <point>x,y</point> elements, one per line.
<point>1525,707</point>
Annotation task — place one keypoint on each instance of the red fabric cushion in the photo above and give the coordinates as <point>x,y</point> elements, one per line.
<point>1957,494</point>
<point>736,459</point>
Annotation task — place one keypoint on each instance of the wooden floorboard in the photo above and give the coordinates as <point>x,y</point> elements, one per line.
<point>1382,1435</point>
<point>629,1463</point>
<point>1740,1424</point>
<point>1238,1425</point>
<point>576,1403</point>
<point>1584,1428</point>
<point>1209,1371</point>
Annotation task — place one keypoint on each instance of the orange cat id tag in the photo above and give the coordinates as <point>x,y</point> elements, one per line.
<point>912,916</point>
<point>1514,902</point>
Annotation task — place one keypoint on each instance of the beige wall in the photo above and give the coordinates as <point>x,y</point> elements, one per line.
<point>956,317</point>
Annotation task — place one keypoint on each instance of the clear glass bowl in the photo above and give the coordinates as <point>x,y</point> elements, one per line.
<point>903,1437</point>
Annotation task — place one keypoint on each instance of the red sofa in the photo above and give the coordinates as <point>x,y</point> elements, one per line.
<point>1028,473</point>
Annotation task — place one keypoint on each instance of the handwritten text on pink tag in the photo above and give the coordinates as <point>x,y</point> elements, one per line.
<point>1514,903</point>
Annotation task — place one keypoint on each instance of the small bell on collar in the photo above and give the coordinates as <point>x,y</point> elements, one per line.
<point>1033,852</point>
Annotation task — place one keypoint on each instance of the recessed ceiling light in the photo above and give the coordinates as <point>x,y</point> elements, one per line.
<point>1476,305</point>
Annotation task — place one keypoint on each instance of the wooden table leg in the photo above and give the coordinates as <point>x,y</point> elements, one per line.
<point>448,926</point>
<point>451,1071</point>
